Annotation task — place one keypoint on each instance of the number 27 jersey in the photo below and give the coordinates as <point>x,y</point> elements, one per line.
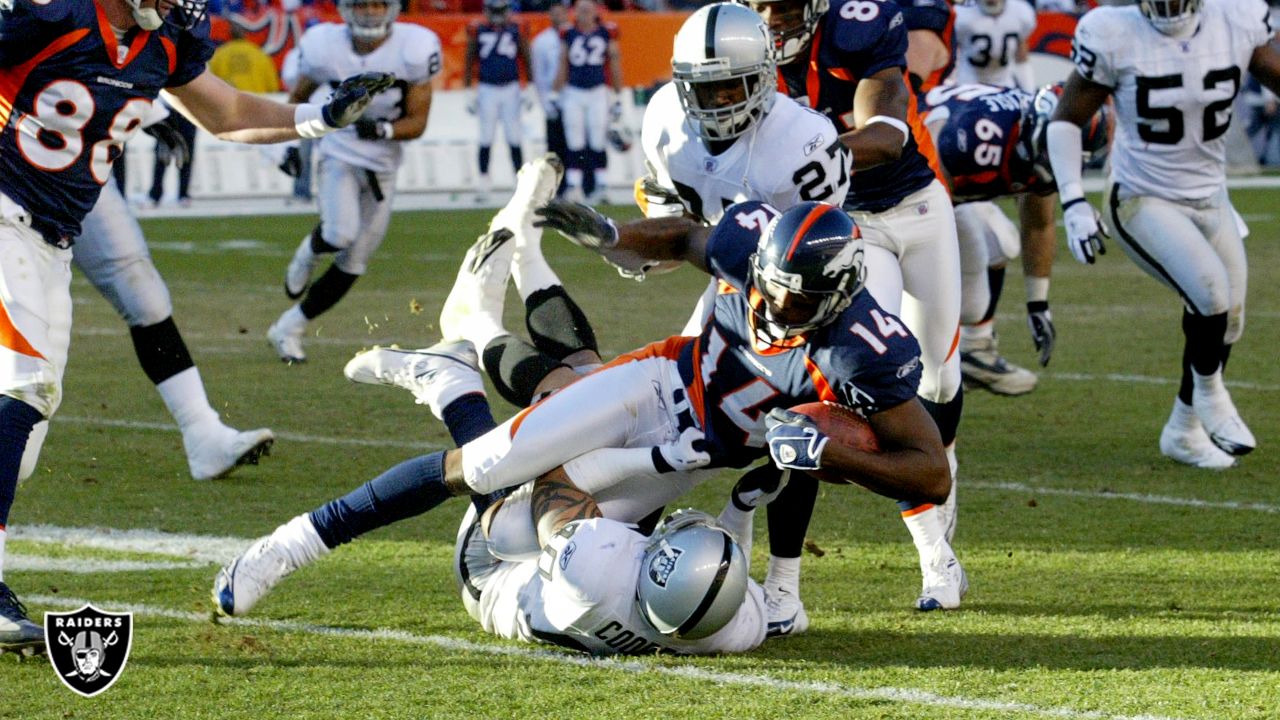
<point>1173,96</point>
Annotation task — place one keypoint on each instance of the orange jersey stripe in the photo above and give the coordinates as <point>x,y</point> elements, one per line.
<point>12,79</point>
<point>819,381</point>
<point>924,141</point>
<point>11,338</point>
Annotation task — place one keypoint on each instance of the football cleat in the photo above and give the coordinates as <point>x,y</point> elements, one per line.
<point>287,342</point>
<point>247,579</point>
<point>17,633</point>
<point>784,611</point>
<point>1212,404</point>
<point>214,451</point>
<point>982,366</point>
<point>945,582</point>
<point>297,277</point>
<point>536,185</point>
<point>436,376</point>
<point>481,284</point>
<point>1185,440</point>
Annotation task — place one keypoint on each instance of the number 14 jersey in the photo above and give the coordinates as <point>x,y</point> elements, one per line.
<point>1173,96</point>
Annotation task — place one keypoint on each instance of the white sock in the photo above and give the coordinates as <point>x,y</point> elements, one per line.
<point>1208,383</point>
<point>738,522</point>
<point>573,178</point>
<point>602,183</point>
<point>1183,416</point>
<point>292,320</point>
<point>783,572</point>
<point>927,530</point>
<point>977,335</point>
<point>184,395</point>
<point>3,532</point>
<point>531,271</point>
<point>299,539</point>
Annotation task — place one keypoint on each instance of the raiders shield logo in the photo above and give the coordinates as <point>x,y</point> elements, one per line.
<point>88,648</point>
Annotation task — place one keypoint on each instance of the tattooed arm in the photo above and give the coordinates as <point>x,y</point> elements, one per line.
<point>558,502</point>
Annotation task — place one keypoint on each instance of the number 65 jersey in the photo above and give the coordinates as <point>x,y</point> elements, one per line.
<point>1173,96</point>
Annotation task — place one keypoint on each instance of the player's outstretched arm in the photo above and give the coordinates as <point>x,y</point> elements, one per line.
<point>668,238</point>
<point>244,117</point>
<point>879,119</point>
<point>557,502</point>
<point>1038,244</point>
<point>1081,98</point>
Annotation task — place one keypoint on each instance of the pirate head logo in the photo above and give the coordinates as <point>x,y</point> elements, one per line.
<point>88,648</point>
<point>663,564</point>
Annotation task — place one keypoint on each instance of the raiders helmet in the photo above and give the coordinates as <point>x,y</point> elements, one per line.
<point>723,69</point>
<point>1171,17</point>
<point>369,19</point>
<point>693,577</point>
<point>797,20</point>
<point>805,271</point>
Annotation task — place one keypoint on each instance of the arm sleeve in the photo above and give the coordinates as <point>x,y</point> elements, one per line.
<point>870,42</point>
<point>422,56</point>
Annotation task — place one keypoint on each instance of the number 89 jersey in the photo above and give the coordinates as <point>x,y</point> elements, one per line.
<point>1173,96</point>
<point>71,95</point>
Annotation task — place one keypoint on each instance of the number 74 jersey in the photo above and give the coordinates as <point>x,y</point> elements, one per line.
<point>1173,96</point>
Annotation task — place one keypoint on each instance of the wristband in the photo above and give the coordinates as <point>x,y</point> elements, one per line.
<point>308,120</point>
<point>892,122</point>
<point>1037,288</point>
<point>385,130</point>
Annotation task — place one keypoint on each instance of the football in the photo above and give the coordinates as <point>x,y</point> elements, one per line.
<point>843,425</point>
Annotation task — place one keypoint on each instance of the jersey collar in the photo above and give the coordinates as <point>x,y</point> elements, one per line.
<point>109,40</point>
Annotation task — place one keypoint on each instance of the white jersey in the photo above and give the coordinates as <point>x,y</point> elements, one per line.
<point>1173,96</point>
<point>791,155</point>
<point>581,593</point>
<point>987,46</point>
<point>545,55</point>
<point>327,56</point>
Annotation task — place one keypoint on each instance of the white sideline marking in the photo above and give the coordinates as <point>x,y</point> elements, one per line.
<point>290,436</point>
<point>37,563</point>
<point>1149,380</point>
<point>199,549</point>
<point>893,694</point>
<point>1135,497</point>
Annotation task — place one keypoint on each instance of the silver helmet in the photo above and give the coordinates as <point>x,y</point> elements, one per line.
<point>1171,17</point>
<point>991,7</point>
<point>693,577</point>
<point>723,68</point>
<point>369,19</point>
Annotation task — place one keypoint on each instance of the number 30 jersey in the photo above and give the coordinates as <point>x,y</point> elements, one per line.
<point>865,358</point>
<point>1173,96</point>
<point>791,155</point>
<point>71,95</point>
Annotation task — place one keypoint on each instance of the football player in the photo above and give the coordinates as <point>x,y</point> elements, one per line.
<point>991,144</point>
<point>590,65</point>
<point>82,76</point>
<point>848,62</point>
<point>1173,67</point>
<point>545,51</point>
<point>668,398</point>
<point>357,167</point>
<point>495,49</point>
<point>991,43</point>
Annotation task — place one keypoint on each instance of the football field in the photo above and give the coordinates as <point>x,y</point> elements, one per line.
<point>1107,582</point>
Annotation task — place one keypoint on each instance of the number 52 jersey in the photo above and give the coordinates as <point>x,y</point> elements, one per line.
<point>1173,96</point>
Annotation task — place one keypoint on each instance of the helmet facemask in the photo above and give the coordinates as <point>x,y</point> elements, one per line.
<point>792,23</point>
<point>363,19</point>
<point>1095,136</point>
<point>1175,18</point>
<point>723,70</point>
<point>182,14</point>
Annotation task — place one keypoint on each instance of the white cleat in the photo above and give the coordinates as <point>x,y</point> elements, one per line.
<point>481,284</point>
<point>297,277</point>
<point>983,367</point>
<point>1184,439</point>
<point>536,185</point>
<point>247,579</point>
<point>1212,404</point>
<point>784,611</point>
<point>214,451</point>
<point>287,343</point>
<point>945,582</point>
<point>436,376</point>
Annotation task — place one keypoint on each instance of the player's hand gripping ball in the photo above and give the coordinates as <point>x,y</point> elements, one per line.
<point>843,426</point>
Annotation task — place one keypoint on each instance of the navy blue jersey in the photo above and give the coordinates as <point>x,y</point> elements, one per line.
<point>70,97</point>
<point>588,53</point>
<point>856,40</point>
<point>983,146</point>
<point>865,358</point>
<point>497,47</point>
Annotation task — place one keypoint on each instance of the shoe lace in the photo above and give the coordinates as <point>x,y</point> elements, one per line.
<point>10,606</point>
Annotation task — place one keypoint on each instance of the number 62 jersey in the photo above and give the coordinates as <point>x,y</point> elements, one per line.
<point>1173,96</point>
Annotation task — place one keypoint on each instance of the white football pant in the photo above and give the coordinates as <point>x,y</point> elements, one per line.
<point>353,218</point>
<point>987,238</point>
<point>585,114</point>
<point>112,253</point>
<point>498,102</point>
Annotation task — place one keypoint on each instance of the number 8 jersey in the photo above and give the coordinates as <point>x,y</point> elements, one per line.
<point>1173,96</point>
<point>71,94</point>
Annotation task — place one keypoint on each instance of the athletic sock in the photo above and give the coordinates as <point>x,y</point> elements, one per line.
<point>16,420</point>
<point>160,349</point>
<point>783,572</point>
<point>185,397</point>
<point>326,292</point>
<point>789,514</point>
<point>517,157</point>
<point>3,533</point>
<point>406,490</point>
<point>484,159</point>
<point>299,539</point>
<point>467,418</point>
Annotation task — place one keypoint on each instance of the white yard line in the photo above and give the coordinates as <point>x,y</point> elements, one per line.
<point>87,566</point>
<point>1132,497</point>
<point>198,549</point>
<point>290,436</point>
<point>684,672</point>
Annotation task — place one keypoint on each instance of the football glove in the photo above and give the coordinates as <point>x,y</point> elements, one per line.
<point>170,144</point>
<point>1084,231</point>
<point>656,200</point>
<point>353,96</point>
<point>795,442</point>
<point>292,163</point>
<point>615,111</point>
<point>1040,320</point>
<point>688,452</point>
<point>759,486</point>
<point>370,129</point>
<point>580,224</point>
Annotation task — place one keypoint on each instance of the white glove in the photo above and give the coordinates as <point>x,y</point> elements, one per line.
<point>688,452</point>
<point>1084,231</point>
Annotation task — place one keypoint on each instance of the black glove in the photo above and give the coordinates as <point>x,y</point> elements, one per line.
<point>1040,320</point>
<point>370,129</point>
<point>580,224</point>
<point>292,163</point>
<point>352,96</point>
<point>170,144</point>
<point>759,486</point>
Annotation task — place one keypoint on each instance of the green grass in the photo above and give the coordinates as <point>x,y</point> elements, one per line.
<point>1090,598</point>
